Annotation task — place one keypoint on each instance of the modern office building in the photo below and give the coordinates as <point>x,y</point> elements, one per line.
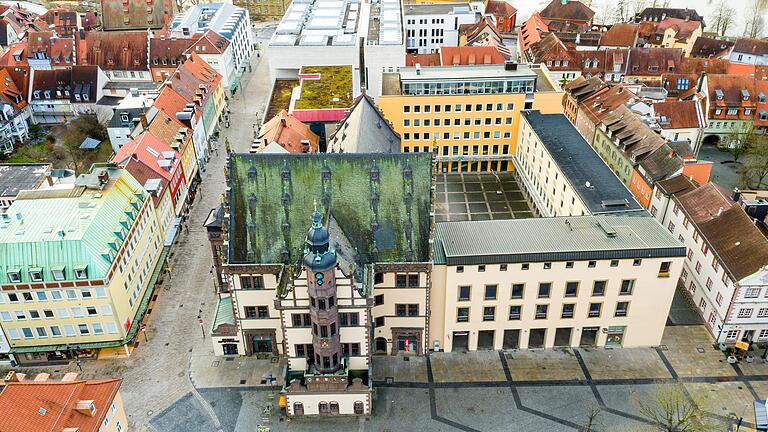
<point>430,26</point>
<point>562,174</point>
<point>226,20</point>
<point>552,282</point>
<point>468,116</point>
<point>368,36</point>
<point>77,267</point>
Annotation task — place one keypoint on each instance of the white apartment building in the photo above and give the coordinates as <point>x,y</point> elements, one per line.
<point>430,26</point>
<point>552,282</point>
<point>562,174</point>
<point>331,33</point>
<point>231,22</point>
<point>724,271</point>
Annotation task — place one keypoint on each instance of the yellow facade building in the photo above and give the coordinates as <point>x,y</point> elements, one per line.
<point>467,115</point>
<point>77,266</point>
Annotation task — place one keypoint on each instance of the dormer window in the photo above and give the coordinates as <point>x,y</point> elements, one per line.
<point>58,273</point>
<point>653,68</point>
<point>165,61</point>
<point>719,94</point>
<point>124,118</point>
<point>36,274</point>
<point>36,94</point>
<point>47,94</point>
<point>14,275</point>
<point>81,272</point>
<point>761,97</point>
<point>85,96</point>
<point>745,94</point>
<point>154,61</point>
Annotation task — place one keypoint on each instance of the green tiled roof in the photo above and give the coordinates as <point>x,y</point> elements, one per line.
<point>73,228</point>
<point>377,199</point>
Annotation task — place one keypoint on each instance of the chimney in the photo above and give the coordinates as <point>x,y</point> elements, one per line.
<point>143,121</point>
<point>719,211</point>
<point>282,120</point>
<point>418,69</point>
<point>103,177</point>
<point>85,407</point>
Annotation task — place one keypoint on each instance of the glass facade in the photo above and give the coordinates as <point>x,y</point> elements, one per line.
<point>523,85</point>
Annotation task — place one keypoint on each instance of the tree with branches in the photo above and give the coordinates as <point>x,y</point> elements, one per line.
<point>755,169</point>
<point>724,15</point>
<point>755,24</point>
<point>673,410</point>
<point>594,419</point>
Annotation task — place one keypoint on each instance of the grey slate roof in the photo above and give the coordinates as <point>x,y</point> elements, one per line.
<point>18,177</point>
<point>117,122</point>
<point>581,165</point>
<point>552,239</point>
<point>364,129</point>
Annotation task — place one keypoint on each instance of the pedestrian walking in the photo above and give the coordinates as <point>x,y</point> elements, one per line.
<point>79,364</point>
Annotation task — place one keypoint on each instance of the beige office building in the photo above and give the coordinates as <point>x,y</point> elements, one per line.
<point>552,282</point>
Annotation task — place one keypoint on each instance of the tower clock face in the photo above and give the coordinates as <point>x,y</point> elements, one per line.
<point>319,282</point>
<point>319,275</point>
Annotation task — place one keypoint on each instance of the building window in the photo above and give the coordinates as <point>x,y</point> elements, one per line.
<point>378,300</point>
<point>525,266</point>
<point>571,289</point>
<point>515,312</point>
<point>251,282</point>
<point>464,292</point>
<point>541,311</point>
<point>598,288</point>
<point>503,267</point>
<point>518,290</point>
<point>568,309</point>
<point>745,312</point>
<point>698,267</point>
<point>621,309</point>
<point>411,310</point>
<point>762,313</point>
<point>379,322</point>
<point>256,312</point>
<point>614,263</point>
<point>664,269</point>
<point>489,313</point>
<point>459,269</point>
<point>349,319</point>
<point>301,320</point>
<point>752,293</point>
<point>490,292</point>
<point>547,265</point>
<point>627,285</point>
<point>406,281</point>
<point>592,264</point>
<point>595,309</point>
<point>544,289</point>
<point>462,314</point>
<point>731,334</point>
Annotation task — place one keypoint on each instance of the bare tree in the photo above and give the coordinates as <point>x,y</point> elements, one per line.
<point>594,420</point>
<point>637,6</point>
<point>672,410</point>
<point>755,24</point>
<point>755,168</point>
<point>724,15</point>
<point>605,12</point>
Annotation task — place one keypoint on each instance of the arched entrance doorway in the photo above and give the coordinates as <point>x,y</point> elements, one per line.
<point>712,140</point>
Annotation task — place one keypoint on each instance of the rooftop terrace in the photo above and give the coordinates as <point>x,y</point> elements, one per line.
<point>333,88</point>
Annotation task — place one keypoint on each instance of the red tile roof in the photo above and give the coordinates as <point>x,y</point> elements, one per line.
<point>470,55</point>
<point>654,61</point>
<point>572,10</point>
<point>679,114</point>
<point>741,69</point>
<point>150,151</point>
<point>170,101</point>
<point>63,20</point>
<point>473,31</point>
<point>209,43</point>
<point>730,91</point>
<point>751,46</point>
<point>136,14</point>
<point>620,35</point>
<point>530,31</point>
<point>290,133</point>
<point>432,59</point>
<point>500,8</point>
<point>710,47</point>
<point>9,56</point>
<point>50,406</point>
<point>708,65</point>
<point>119,50</point>
<point>683,29</point>
<point>62,52</point>
<point>167,52</point>
<point>761,111</point>
<point>9,92</point>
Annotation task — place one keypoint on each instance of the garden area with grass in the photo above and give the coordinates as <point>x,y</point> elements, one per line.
<point>332,90</point>
<point>59,145</point>
<point>281,97</point>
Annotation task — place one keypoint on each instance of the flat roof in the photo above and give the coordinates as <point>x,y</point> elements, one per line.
<point>553,239</point>
<point>18,177</point>
<point>594,182</point>
<point>335,82</point>
<point>436,9</point>
<point>479,196</point>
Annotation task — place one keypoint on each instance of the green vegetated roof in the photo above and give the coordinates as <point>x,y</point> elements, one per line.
<point>334,82</point>
<point>69,228</point>
<point>378,200</point>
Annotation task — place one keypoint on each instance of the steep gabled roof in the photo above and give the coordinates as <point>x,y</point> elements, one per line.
<point>150,151</point>
<point>209,43</point>
<point>751,46</point>
<point>290,133</point>
<point>9,92</point>
<point>620,35</point>
<point>500,8</point>
<point>710,47</point>
<point>659,13</point>
<point>136,14</point>
<point>470,55</point>
<point>661,163</point>
<point>679,114</point>
<point>572,10</point>
<point>683,29</point>
<point>654,61</point>
<point>119,50</point>
<point>364,129</point>
<point>676,185</point>
<point>704,202</point>
<point>167,52</point>
<point>424,60</point>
